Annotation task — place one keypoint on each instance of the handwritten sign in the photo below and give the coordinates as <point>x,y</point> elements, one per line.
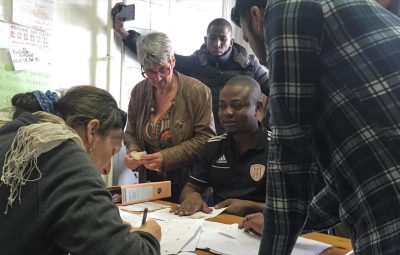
<point>36,14</point>
<point>29,48</point>
<point>13,82</point>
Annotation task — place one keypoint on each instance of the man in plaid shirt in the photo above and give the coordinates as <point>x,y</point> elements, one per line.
<point>335,106</point>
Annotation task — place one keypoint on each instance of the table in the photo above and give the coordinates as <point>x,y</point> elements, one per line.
<point>340,246</point>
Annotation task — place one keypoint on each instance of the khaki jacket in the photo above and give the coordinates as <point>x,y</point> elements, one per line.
<point>192,122</point>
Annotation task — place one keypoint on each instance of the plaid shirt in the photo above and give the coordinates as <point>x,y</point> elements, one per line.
<point>335,106</point>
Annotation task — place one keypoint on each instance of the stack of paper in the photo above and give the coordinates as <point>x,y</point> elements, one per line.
<point>228,239</point>
<point>185,234</point>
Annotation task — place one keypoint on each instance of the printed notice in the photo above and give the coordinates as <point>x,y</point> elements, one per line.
<point>29,48</point>
<point>36,14</point>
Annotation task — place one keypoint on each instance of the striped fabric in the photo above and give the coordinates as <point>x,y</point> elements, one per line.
<point>335,106</point>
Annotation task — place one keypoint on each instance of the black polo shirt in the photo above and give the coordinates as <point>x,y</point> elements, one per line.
<point>230,174</point>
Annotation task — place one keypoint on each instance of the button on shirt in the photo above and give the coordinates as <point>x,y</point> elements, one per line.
<point>232,175</point>
<point>335,100</point>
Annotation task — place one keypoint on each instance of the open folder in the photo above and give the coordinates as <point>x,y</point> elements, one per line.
<point>141,192</point>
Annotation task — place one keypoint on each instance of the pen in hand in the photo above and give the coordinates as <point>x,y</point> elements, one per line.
<point>144,216</point>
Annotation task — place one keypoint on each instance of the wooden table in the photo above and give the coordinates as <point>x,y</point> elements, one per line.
<point>340,246</point>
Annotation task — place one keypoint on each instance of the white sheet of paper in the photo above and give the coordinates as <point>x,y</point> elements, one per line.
<point>228,239</point>
<point>233,231</point>
<point>192,244</point>
<point>165,215</point>
<point>176,234</point>
<point>306,246</point>
<point>140,207</point>
<point>134,219</point>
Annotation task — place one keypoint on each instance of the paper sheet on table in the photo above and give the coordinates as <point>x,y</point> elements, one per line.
<point>134,219</point>
<point>233,231</point>
<point>192,244</point>
<point>176,234</point>
<point>306,246</point>
<point>228,239</point>
<point>140,207</point>
<point>165,215</point>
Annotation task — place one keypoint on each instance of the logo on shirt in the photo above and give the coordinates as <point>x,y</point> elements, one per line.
<point>257,171</point>
<point>222,160</point>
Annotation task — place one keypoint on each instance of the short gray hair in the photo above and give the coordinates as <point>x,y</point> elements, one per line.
<point>154,48</point>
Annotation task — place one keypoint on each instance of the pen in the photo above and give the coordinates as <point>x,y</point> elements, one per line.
<point>144,216</point>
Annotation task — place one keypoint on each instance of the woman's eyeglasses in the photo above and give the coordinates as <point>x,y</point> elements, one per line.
<point>152,74</point>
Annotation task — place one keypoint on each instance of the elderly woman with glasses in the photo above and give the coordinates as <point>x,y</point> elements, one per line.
<point>169,117</point>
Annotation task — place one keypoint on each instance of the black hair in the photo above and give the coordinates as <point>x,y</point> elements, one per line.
<point>242,9</point>
<point>24,102</point>
<point>220,22</point>
<point>245,81</point>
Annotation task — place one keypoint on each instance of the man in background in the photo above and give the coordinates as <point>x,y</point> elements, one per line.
<point>334,104</point>
<point>218,60</point>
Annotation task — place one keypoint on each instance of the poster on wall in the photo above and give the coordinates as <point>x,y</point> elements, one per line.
<point>29,48</point>
<point>37,14</point>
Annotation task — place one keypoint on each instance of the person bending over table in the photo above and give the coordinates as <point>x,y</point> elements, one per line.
<point>52,197</point>
<point>234,163</point>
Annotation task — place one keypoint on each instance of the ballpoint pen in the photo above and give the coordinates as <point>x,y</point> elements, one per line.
<point>144,216</point>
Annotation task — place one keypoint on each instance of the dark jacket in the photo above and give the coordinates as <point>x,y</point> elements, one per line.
<point>68,210</point>
<point>215,71</point>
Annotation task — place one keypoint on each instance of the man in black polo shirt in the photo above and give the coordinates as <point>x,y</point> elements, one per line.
<point>234,163</point>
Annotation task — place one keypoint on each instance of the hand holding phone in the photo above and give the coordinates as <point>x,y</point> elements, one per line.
<point>126,13</point>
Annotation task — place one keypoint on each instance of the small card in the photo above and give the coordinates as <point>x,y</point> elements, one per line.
<point>137,154</point>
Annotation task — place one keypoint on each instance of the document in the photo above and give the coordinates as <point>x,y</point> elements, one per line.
<point>134,219</point>
<point>165,215</point>
<point>176,234</point>
<point>228,239</point>
<point>185,234</point>
<point>151,206</point>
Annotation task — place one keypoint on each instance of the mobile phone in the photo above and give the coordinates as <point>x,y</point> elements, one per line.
<point>126,13</point>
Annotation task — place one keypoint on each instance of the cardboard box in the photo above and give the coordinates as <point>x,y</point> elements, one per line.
<point>136,193</point>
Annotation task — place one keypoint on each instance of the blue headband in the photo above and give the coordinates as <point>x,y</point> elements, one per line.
<point>47,101</point>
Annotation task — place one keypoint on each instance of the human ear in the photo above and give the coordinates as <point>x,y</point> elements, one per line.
<point>257,19</point>
<point>91,129</point>
<point>259,106</point>
<point>172,61</point>
<point>232,42</point>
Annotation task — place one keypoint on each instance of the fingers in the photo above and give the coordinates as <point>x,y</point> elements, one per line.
<point>206,209</point>
<point>152,227</point>
<point>223,204</point>
<point>253,223</point>
<point>117,8</point>
<point>153,167</point>
<point>181,211</point>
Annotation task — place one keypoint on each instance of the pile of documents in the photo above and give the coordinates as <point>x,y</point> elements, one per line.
<point>182,235</point>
